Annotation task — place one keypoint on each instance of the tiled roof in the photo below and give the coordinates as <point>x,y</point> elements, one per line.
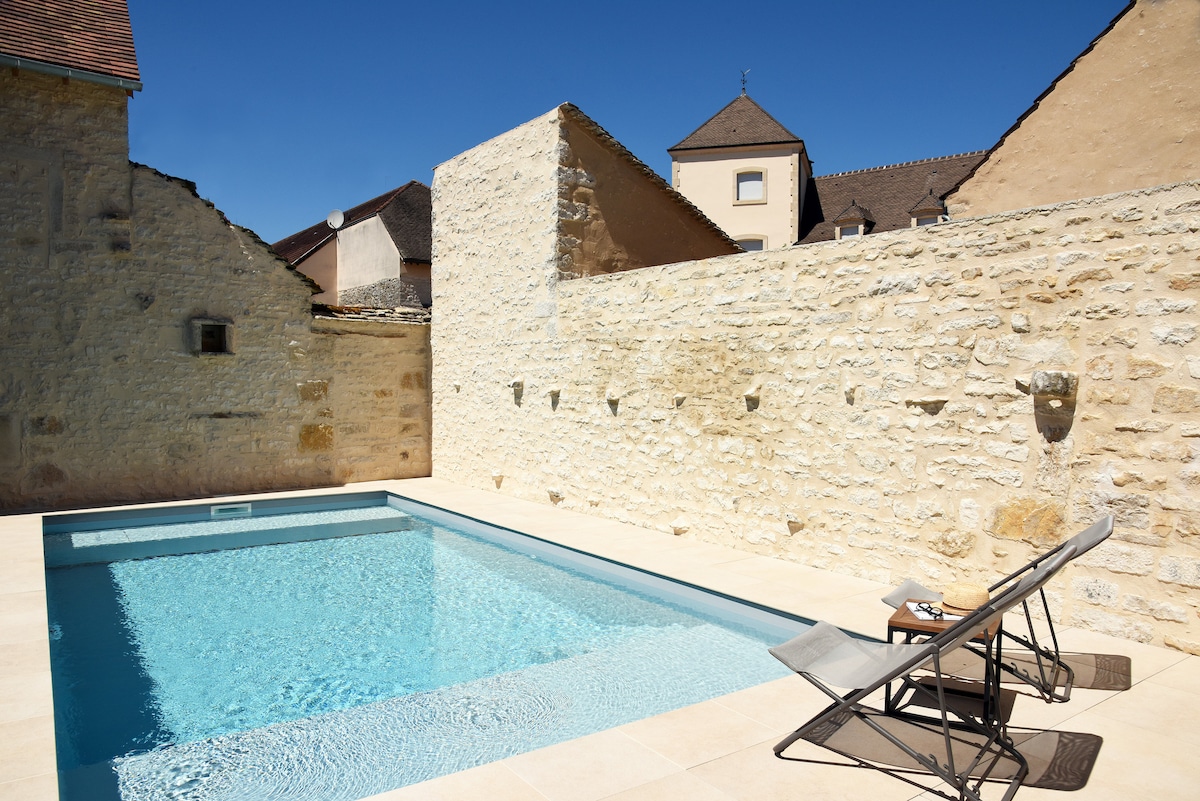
<point>406,212</point>
<point>409,219</point>
<point>90,35</point>
<point>889,193</point>
<point>409,316</point>
<point>742,122</point>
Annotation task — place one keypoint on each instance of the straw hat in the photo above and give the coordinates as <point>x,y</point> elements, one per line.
<point>964,597</point>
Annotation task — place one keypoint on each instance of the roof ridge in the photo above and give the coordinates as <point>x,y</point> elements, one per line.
<point>712,134</point>
<point>904,164</point>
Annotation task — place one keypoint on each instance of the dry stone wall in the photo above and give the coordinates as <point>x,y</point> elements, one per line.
<point>939,403</point>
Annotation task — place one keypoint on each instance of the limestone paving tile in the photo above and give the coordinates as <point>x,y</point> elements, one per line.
<point>756,774</point>
<point>25,695</point>
<point>672,788</point>
<point>780,705</point>
<point>1183,675</point>
<point>591,768</point>
<point>494,781</point>
<point>42,787</point>
<point>23,617</point>
<point>26,749</point>
<point>1134,762</point>
<point>686,736</point>
<point>1156,707</point>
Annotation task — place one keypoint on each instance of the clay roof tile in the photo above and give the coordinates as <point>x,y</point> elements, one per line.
<point>93,36</point>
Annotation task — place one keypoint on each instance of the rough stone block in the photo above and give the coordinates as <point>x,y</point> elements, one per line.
<point>1183,570</point>
<point>1033,520</point>
<point>1172,399</point>
<point>1119,558</point>
<point>1095,591</point>
<point>316,437</point>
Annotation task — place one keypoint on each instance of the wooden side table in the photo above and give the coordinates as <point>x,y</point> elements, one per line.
<point>988,702</point>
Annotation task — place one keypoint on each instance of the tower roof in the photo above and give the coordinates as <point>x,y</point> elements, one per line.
<point>742,122</point>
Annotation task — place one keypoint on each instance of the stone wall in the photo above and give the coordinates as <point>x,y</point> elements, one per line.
<point>939,403</point>
<point>103,398</point>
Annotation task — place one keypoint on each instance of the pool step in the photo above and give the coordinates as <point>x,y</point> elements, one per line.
<point>92,547</point>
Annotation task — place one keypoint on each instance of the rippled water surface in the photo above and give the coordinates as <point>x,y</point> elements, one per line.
<point>339,668</point>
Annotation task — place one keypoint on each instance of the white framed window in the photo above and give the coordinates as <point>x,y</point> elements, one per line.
<point>753,244</point>
<point>849,231</point>
<point>926,220</point>
<point>750,186</point>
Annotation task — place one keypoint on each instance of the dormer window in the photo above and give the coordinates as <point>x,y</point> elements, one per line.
<point>855,221</point>
<point>929,210</point>
<point>752,244</point>
<point>750,187</point>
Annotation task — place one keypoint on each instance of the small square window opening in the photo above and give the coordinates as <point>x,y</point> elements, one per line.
<point>208,335</point>
<point>213,338</point>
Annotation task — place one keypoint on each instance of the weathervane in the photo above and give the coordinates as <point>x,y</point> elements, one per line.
<point>744,74</point>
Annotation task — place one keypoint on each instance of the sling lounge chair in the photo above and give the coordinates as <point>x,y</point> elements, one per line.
<point>961,748</point>
<point>1041,665</point>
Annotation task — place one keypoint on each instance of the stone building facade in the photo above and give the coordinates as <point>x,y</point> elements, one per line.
<point>939,402</point>
<point>149,349</point>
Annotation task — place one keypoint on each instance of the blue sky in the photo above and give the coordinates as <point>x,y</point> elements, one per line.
<point>283,110</point>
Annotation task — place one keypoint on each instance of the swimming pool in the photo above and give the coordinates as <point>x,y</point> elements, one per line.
<point>336,648</point>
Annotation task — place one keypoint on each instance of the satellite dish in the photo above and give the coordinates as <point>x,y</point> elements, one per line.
<point>335,219</point>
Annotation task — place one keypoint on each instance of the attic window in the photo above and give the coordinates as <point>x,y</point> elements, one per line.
<point>210,336</point>
<point>752,244</point>
<point>848,231</point>
<point>751,187</point>
<point>926,220</point>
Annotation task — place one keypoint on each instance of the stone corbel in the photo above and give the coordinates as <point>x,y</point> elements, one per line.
<point>1054,395</point>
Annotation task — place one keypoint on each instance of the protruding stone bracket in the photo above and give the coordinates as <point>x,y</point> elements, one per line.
<point>554,393</point>
<point>518,387</point>
<point>1054,393</point>
<point>931,406</point>
<point>752,396</point>
<point>613,396</point>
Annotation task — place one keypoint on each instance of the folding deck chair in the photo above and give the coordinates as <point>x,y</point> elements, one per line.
<point>1044,668</point>
<point>960,746</point>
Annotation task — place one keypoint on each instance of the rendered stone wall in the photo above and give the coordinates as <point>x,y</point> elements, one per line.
<point>1124,117</point>
<point>883,407</point>
<point>102,397</point>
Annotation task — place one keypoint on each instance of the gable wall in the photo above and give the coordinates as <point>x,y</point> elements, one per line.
<point>1124,117</point>
<point>862,406</point>
<point>366,254</point>
<point>101,398</point>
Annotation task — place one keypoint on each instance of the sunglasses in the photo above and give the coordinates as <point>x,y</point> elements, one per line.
<point>933,611</point>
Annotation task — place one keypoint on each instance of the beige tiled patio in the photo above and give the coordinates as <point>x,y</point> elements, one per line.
<point>719,750</point>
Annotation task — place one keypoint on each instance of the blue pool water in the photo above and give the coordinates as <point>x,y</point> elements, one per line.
<point>342,667</point>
